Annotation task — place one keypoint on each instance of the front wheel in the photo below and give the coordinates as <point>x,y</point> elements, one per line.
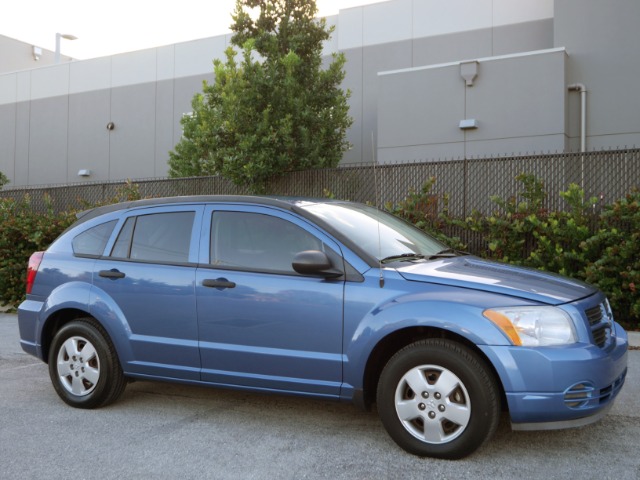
<point>438,398</point>
<point>84,366</point>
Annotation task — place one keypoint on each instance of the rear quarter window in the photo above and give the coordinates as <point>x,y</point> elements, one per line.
<point>91,242</point>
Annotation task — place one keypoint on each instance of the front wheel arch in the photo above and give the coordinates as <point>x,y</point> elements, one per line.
<point>396,341</point>
<point>438,398</point>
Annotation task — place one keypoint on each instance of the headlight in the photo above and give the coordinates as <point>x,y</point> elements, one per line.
<point>534,326</point>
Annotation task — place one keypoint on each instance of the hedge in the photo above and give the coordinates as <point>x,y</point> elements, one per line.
<point>599,244</point>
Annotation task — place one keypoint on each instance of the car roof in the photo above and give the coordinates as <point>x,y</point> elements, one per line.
<point>287,203</point>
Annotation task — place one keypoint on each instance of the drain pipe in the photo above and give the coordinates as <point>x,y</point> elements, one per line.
<point>579,87</point>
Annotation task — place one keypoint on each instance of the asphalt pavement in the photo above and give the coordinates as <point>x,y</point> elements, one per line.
<point>158,431</point>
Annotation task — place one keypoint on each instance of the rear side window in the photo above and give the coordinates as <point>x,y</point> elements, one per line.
<point>91,242</point>
<point>161,237</point>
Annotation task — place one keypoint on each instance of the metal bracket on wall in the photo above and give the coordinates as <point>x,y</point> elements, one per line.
<point>469,71</point>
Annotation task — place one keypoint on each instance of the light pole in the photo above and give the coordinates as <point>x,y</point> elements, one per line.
<point>66,36</point>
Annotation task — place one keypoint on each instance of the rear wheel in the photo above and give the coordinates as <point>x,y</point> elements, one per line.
<point>84,367</point>
<point>438,398</point>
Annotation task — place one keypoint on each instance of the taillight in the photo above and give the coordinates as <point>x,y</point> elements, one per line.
<point>32,269</point>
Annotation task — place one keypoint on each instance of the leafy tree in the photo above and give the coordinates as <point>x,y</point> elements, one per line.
<point>278,109</point>
<point>3,180</point>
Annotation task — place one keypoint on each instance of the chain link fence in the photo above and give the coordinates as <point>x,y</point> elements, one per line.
<point>468,184</point>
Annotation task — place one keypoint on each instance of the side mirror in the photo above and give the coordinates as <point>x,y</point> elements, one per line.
<point>315,262</point>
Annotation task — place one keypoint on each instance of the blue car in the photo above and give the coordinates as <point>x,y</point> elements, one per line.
<point>320,298</point>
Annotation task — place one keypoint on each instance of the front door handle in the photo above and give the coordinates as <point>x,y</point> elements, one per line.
<point>113,274</point>
<point>219,283</point>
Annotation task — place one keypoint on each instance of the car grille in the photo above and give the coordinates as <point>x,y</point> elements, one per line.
<point>600,320</point>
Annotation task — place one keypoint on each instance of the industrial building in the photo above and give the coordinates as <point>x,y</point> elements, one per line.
<point>429,80</point>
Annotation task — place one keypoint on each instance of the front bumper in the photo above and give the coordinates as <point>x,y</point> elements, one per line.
<point>560,387</point>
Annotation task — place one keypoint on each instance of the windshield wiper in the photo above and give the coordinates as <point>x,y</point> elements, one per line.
<point>402,257</point>
<point>447,253</point>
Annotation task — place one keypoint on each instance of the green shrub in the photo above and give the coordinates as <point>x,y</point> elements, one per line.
<point>24,232</point>
<point>615,254</point>
<point>602,249</point>
<point>510,232</point>
<point>559,236</point>
<point>421,209</point>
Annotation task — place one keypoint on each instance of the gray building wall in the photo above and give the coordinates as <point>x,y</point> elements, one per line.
<point>403,72</point>
<point>602,40</point>
<point>518,102</point>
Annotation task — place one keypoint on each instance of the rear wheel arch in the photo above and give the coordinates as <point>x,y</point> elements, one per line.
<point>54,323</point>
<point>84,366</point>
<point>388,346</point>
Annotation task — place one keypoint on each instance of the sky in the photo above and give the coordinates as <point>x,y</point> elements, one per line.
<point>108,27</point>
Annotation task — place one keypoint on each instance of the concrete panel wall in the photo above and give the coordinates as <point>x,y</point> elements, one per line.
<point>89,114</point>
<point>452,47</point>
<point>374,60</point>
<point>353,82</point>
<point>434,17</point>
<point>66,107</point>
<point>48,130</point>
<point>517,101</point>
<point>522,37</point>
<point>8,139</point>
<point>164,126</point>
<point>602,41</point>
<point>132,141</point>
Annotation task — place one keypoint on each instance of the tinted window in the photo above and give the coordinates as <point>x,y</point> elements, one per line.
<point>93,241</point>
<point>253,241</point>
<point>123,243</point>
<point>377,233</point>
<point>161,237</point>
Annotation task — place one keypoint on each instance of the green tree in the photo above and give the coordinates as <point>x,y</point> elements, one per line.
<point>3,180</point>
<point>280,108</point>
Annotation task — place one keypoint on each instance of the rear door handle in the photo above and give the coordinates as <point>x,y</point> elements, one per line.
<point>113,274</point>
<point>219,283</point>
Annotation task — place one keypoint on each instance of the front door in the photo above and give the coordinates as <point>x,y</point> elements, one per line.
<point>261,324</point>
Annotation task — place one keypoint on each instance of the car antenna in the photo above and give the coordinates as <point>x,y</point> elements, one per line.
<point>377,198</point>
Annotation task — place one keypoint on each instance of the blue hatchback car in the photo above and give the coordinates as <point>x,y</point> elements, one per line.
<point>321,298</point>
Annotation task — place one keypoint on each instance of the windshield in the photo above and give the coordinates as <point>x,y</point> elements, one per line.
<point>379,234</point>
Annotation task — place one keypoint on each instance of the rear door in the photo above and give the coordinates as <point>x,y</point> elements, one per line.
<point>261,324</point>
<point>149,275</point>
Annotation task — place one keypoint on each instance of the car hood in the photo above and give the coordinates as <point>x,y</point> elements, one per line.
<point>475,273</point>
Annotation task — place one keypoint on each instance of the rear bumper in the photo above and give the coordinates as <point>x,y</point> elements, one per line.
<point>29,326</point>
<point>560,387</point>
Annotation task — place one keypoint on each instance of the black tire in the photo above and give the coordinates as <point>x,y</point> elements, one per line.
<point>456,409</point>
<point>84,367</point>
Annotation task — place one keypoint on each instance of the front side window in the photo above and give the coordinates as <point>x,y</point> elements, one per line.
<point>91,242</point>
<point>253,241</point>
<point>160,237</point>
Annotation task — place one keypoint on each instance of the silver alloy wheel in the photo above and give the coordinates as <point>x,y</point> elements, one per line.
<point>432,404</point>
<point>78,366</point>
